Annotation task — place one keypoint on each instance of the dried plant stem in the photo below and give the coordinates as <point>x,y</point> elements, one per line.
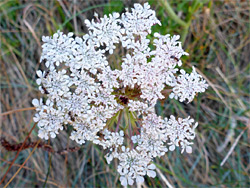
<point>22,165</point>
<point>232,148</point>
<point>18,153</point>
<point>17,110</point>
<point>15,147</point>
<point>164,178</point>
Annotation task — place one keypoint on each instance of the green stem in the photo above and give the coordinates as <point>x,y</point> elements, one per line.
<point>118,122</point>
<point>172,14</point>
<point>130,127</point>
<point>184,34</point>
<point>195,5</point>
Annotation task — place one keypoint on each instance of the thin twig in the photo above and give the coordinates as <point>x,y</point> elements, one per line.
<point>17,110</point>
<point>23,146</point>
<point>18,154</point>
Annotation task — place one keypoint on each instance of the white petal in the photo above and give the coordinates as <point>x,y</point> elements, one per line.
<point>171,95</point>
<point>36,119</point>
<point>172,148</point>
<point>35,102</point>
<point>70,34</point>
<point>87,22</point>
<point>44,39</point>
<point>39,73</point>
<point>53,135</point>
<point>95,14</point>
<point>151,173</point>
<point>188,149</point>
<point>55,36</point>
<point>139,179</point>
<point>152,166</point>
<point>121,133</point>
<point>123,148</point>
<point>47,64</point>
<point>38,81</point>
<point>123,181</point>
<point>130,181</point>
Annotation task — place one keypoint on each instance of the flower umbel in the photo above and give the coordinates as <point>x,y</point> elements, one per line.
<point>84,92</point>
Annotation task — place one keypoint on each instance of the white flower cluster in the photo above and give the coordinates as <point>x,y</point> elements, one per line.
<point>84,92</point>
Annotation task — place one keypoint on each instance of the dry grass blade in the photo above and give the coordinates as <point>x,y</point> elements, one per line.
<point>164,178</point>
<point>22,165</point>
<point>232,148</point>
<point>214,88</point>
<point>240,103</point>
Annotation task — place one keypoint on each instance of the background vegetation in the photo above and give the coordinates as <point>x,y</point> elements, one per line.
<point>216,34</point>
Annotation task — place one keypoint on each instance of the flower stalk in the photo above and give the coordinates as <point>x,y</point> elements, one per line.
<point>185,24</point>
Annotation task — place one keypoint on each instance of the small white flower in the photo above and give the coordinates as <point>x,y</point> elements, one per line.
<point>133,165</point>
<point>138,22</point>
<point>111,139</point>
<point>180,132</point>
<point>41,76</point>
<point>188,85</point>
<point>106,32</point>
<point>57,49</point>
